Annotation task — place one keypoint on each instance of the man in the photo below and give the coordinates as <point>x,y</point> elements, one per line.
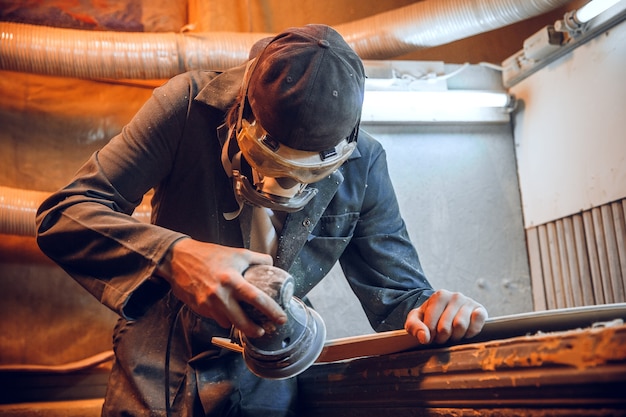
<point>261,164</point>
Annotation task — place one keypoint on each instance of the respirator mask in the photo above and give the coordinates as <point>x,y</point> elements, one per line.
<point>267,173</point>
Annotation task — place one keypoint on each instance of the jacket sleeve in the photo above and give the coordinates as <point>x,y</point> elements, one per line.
<point>381,264</point>
<point>87,227</point>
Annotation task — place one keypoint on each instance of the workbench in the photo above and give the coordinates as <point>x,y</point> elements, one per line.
<point>577,372</point>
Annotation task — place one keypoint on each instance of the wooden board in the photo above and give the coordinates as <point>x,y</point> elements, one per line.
<point>495,328</point>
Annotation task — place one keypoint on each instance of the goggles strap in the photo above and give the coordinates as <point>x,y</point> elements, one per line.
<point>227,154</point>
<point>235,176</point>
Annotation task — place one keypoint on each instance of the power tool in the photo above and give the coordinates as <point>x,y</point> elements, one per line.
<point>284,350</point>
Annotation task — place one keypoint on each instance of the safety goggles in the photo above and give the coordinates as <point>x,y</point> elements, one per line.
<point>274,159</point>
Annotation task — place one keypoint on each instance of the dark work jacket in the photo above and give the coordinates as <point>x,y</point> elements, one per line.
<point>172,147</point>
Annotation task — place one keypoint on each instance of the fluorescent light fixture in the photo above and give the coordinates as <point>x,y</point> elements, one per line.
<point>575,22</point>
<point>436,106</point>
<point>593,9</point>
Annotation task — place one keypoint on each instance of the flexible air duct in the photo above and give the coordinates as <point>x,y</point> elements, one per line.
<point>18,209</point>
<point>436,22</point>
<point>91,54</point>
<point>94,55</point>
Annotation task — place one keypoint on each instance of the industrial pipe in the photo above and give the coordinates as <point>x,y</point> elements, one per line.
<point>104,54</point>
<point>101,54</point>
<point>18,209</point>
<point>436,22</point>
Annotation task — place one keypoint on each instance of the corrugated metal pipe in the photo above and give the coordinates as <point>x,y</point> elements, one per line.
<point>18,208</point>
<point>100,54</point>
<point>88,54</point>
<point>432,23</point>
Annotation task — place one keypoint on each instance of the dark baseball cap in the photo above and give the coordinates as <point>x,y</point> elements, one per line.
<point>306,89</point>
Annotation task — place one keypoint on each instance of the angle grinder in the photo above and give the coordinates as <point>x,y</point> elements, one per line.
<point>284,350</point>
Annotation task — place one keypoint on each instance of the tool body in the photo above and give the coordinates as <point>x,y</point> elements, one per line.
<point>284,350</point>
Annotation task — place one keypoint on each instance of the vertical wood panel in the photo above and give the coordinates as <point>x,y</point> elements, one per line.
<point>563,263</point>
<point>612,254</point>
<point>580,259</point>
<point>596,215</point>
<point>536,274</point>
<point>569,249</point>
<point>555,264</point>
<point>619,219</point>
<point>594,263</point>
<point>547,269</point>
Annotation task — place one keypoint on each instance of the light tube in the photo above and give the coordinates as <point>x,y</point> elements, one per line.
<point>436,106</point>
<point>593,9</point>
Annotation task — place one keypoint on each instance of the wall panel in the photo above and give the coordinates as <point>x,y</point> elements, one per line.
<point>580,259</point>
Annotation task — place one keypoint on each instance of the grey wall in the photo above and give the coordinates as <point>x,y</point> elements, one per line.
<point>459,195</point>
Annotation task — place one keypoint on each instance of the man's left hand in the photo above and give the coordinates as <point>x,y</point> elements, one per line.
<point>446,316</point>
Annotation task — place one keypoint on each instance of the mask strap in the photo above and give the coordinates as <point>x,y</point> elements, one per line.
<point>235,169</point>
<point>226,154</point>
<point>233,130</point>
<point>244,90</point>
<point>226,157</point>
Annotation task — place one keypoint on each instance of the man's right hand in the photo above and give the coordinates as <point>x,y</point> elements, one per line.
<point>209,279</point>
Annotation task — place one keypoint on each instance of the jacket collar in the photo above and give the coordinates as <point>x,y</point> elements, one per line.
<point>299,225</point>
<point>222,91</point>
